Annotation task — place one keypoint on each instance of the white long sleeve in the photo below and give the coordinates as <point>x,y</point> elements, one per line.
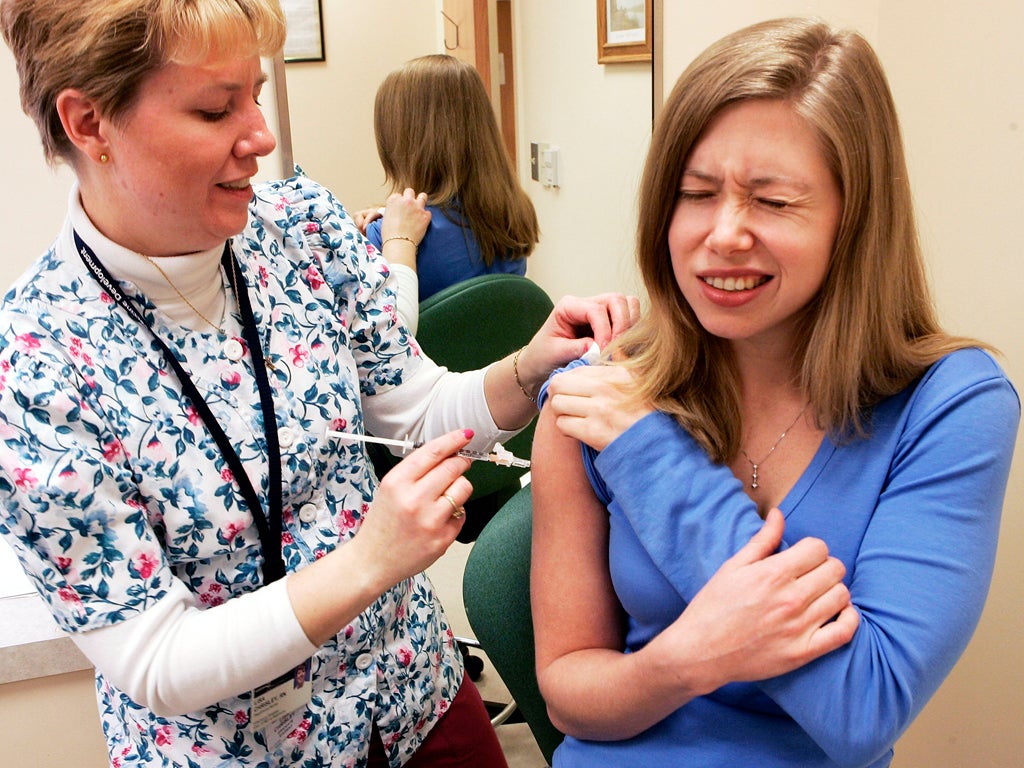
<point>434,401</point>
<point>408,306</point>
<point>175,658</point>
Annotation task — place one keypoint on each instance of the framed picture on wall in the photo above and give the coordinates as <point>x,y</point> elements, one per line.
<point>624,31</point>
<point>305,41</point>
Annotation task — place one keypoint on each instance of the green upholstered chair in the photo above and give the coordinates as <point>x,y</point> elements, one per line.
<point>468,326</point>
<point>496,593</point>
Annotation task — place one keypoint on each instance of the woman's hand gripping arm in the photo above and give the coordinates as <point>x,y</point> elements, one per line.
<point>573,326</point>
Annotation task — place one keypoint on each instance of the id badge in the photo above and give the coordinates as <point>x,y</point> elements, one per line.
<point>278,706</point>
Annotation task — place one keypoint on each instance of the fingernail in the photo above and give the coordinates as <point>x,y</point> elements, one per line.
<point>468,433</point>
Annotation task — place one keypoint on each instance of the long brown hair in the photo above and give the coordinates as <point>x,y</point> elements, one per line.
<point>872,329</point>
<point>437,133</point>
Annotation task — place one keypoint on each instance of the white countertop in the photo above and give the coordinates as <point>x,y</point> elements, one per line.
<point>31,644</point>
<point>13,580</point>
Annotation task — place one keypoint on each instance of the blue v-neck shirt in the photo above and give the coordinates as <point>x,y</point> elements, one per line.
<point>912,511</point>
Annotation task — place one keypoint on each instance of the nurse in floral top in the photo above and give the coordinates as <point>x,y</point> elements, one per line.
<point>169,370</point>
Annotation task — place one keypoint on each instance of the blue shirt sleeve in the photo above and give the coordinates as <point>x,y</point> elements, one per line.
<point>373,233</point>
<point>589,454</point>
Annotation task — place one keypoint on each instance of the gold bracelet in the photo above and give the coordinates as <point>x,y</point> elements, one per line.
<point>515,370</point>
<point>397,237</point>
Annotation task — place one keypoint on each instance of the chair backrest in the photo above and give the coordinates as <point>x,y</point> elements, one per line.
<point>464,327</point>
<point>496,593</point>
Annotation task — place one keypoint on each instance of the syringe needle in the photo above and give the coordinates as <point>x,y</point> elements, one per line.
<point>499,455</point>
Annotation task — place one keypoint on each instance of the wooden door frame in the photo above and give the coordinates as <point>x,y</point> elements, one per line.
<point>502,96</point>
<point>482,41</point>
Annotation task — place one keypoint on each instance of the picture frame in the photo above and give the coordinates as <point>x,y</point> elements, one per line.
<point>624,31</point>
<point>305,41</point>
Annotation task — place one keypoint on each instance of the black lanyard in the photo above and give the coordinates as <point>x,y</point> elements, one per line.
<point>269,526</point>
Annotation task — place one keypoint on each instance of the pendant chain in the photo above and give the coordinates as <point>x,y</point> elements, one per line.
<point>755,464</point>
<point>217,329</point>
<point>233,281</point>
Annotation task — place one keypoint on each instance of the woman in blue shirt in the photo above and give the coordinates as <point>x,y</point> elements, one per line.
<point>779,534</point>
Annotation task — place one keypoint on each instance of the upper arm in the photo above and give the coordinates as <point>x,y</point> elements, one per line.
<point>349,280</point>
<point>574,603</point>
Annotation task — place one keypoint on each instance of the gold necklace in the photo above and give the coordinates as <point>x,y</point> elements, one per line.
<point>755,464</point>
<point>217,329</point>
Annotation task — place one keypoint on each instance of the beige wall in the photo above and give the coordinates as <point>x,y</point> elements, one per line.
<point>36,195</point>
<point>331,116</point>
<point>331,102</point>
<point>52,722</point>
<point>956,70</point>
<point>600,118</point>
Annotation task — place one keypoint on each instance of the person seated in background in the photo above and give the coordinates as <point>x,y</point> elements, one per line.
<point>766,522</point>
<point>437,135</point>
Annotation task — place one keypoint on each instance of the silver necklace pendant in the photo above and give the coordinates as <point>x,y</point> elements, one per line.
<point>754,464</point>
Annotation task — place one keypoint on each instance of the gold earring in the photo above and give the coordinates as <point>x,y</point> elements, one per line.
<point>104,157</point>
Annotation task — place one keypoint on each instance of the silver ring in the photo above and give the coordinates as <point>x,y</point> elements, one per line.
<point>457,511</point>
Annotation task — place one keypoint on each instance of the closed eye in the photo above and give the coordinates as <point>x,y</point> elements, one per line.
<point>695,194</point>
<point>213,117</point>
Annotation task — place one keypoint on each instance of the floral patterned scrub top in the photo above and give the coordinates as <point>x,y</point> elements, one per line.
<point>111,485</point>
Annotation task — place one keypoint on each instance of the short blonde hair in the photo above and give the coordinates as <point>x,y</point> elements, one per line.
<point>871,330</point>
<point>107,48</point>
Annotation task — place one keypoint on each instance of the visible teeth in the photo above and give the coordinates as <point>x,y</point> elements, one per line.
<point>236,185</point>
<point>735,283</point>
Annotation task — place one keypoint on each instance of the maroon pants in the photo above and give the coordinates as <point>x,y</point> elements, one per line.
<point>462,738</point>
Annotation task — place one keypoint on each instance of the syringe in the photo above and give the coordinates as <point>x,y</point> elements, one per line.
<point>498,455</point>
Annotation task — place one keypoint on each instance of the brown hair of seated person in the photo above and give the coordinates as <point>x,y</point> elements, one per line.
<point>437,133</point>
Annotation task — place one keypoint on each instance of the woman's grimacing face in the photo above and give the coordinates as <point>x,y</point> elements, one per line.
<point>754,225</point>
<point>183,158</point>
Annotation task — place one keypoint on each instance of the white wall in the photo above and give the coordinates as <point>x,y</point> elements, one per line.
<point>600,118</point>
<point>331,102</point>
<point>956,71</point>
